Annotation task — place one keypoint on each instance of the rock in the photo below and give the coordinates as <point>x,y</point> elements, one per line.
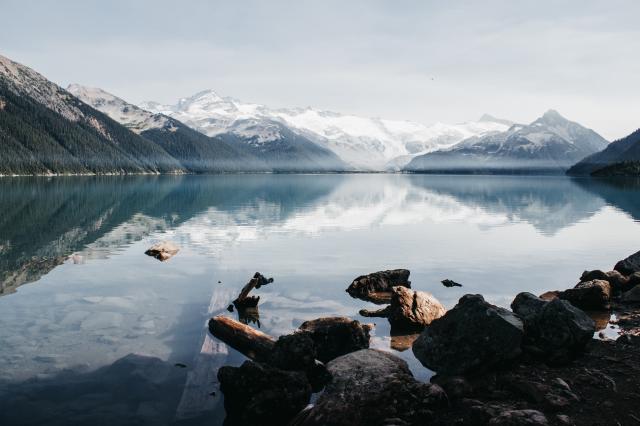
<point>550,295</point>
<point>563,419</point>
<point>629,265</point>
<point>374,387</point>
<point>631,296</point>
<point>379,282</point>
<point>555,330</point>
<point>527,305</point>
<point>474,335</point>
<point>450,283</point>
<point>594,294</point>
<point>519,418</point>
<point>336,336</point>
<point>254,392</point>
<point>596,274</point>
<point>633,280</point>
<point>456,387</point>
<point>413,309</point>
<point>163,250</point>
<point>297,352</point>
<point>401,341</point>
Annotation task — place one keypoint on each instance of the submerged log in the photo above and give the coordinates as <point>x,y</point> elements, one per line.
<point>250,342</point>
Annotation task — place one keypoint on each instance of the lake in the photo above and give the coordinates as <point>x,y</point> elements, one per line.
<point>79,296</point>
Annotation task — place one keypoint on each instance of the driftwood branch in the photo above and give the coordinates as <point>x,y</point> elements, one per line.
<point>250,342</point>
<point>243,300</point>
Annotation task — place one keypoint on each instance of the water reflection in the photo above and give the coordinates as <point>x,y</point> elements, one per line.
<point>96,297</point>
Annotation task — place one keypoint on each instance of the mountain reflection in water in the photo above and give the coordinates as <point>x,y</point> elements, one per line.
<point>95,297</point>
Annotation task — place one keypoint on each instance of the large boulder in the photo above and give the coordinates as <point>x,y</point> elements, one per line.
<point>336,336</point>
<point>555,330</point>
<point>381,281</point>
<point>589,295</point>
<point>297,352</point>
<point>629,265</point>
<point>473,336</point>
<point>409,310</point>
<point>631,296</point>
<point>371,387</point>
<point>413,309</point>
<point>256,392</point>
<point>617,281</point>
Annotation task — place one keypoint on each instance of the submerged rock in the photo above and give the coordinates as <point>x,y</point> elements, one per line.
<point>555,330</point>
<point>589,295</point>
<point>381,281</point>
<point>256,392</point>
<point>474,335</point>
<point>163,250</point>
<point>629,265</point>
<point>373,387</point>
<point>336,336</point>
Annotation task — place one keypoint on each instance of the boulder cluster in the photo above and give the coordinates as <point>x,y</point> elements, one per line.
<point>471,346</point>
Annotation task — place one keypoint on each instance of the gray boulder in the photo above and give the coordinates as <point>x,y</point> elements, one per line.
<point>617,281</point>
<point>381,281</point>
<point>373,387</point>
<point>629,265</point>
<point>336,336</point>
<point>254,392</point>
<point>473,336</point>
<point>589,295</point>
<point>555,330</point>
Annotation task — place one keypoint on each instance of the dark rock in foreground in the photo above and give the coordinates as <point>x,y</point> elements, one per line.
<point>631,296</point>
<point>473,336</point>
<point>629,265</point>
<point>589,295</point>
<point>256,393</point>
<point>336,336</point>
<point>370,387</point>
<point>519,418</point>
<point>380,281</point>
<point>297,352</point>
<point>556,330</point>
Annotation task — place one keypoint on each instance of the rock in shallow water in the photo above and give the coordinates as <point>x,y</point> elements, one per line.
<point>371,387</point>
<point>589,295</point>
<point>163,250</point>
<point>555,330</point>
<point>413,309</point>
<point>381,281</point>
<point>474,335</point>
<point>257,394</point>
<point>336,336</point>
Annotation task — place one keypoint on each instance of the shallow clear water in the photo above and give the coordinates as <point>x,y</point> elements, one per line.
<point>79,294</point>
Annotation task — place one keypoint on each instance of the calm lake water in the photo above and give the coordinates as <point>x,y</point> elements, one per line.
<point>79,295</point>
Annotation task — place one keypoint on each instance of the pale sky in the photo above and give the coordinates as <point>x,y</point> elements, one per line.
<point>424,61</point>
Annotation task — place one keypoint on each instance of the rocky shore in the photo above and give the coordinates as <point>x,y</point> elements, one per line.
<point>545,361</point>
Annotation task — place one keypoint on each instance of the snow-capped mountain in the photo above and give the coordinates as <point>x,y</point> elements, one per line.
<point>365,143</point>
<point>549,143</point>
<point>253,145</point>
<point>129,115</point>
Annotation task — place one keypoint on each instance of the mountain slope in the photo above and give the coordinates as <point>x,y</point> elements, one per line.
<point>44,130</point>
<point>195,151</point>
<point>549,144</point>
<point>625,149</point>
<point>364,143</point>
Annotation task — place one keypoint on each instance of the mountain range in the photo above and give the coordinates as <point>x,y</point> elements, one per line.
<point>549,144</point>
<point>45,129</point>
<point>364,143</point>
